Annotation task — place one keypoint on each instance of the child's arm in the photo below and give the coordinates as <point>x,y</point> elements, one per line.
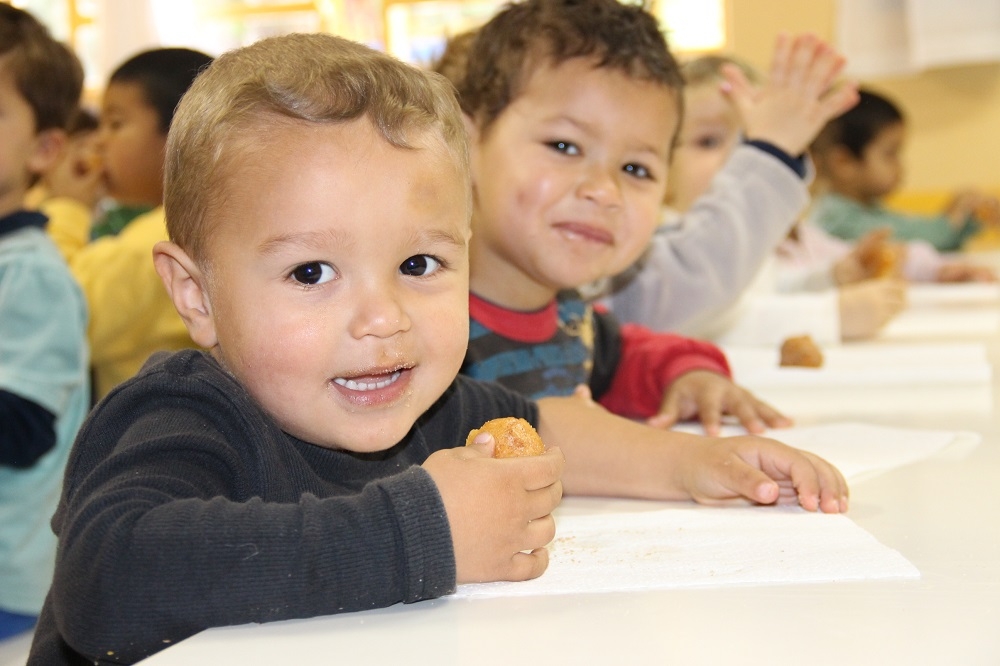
<point>499,510</point>
<point>611,456</point>
<point>799,97</point>
<point>207,524</point>
<point>865,307</point>
<point>664,378</point>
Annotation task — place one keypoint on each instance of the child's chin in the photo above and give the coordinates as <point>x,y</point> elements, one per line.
<point>361,441</point>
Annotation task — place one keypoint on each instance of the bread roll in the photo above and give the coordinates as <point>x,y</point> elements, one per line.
<point>514,437</point>
<point>801,351</point>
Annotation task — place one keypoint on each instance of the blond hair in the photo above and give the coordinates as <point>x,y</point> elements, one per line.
<point>708,69</point>
<point>313,78</point>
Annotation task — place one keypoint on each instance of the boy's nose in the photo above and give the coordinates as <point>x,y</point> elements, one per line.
<point>600,185</point>
<point>379,312</point>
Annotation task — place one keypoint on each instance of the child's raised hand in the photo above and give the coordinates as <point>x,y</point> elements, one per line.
<point>972,203</point>
<point>500,511</point>
<point>865,307</point>
<point>798,98</point>
<point>753,469</point>
<point>709,395</point>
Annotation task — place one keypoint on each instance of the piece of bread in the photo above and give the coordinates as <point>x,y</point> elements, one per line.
<point>801,351</point>
<point>514,437</point>
<point>881,260</point>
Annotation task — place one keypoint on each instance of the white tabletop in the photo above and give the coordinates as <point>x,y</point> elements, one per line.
<point>939,513</point>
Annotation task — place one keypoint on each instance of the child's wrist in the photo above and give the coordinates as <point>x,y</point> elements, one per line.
<point>795,163</point>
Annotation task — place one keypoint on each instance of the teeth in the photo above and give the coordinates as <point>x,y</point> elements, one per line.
<point>367,386</point>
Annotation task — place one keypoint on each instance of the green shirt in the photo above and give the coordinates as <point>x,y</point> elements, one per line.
<point>850,220</point>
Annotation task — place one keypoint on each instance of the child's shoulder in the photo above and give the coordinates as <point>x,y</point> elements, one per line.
<point>188,373</point>
<point>33,269</point>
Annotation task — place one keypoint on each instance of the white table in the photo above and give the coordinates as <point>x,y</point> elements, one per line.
<point>941,514</point>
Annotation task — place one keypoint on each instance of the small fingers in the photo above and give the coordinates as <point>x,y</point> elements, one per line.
<point>819,485</point>
<point>542,471</point>
<point>772,417</point>
<point>525,566</point>
<point>780,62</point>
<point>542,502</point>
<point>801,62</point>
<point>482,444</point>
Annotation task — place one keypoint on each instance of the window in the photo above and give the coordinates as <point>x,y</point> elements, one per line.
<point>106,32</point>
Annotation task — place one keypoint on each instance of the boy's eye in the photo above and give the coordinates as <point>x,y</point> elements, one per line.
<point>565,147</point>
<point>709,142</point>
<point>637,170</point>
<point>314,272</point>
<point>419,265</point>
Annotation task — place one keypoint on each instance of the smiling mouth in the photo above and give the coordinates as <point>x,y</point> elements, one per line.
<point>369,383</point>
<point>586,232</point>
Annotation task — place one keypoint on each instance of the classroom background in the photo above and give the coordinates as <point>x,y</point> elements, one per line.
<point>922,394</point>
<point>940,61</point>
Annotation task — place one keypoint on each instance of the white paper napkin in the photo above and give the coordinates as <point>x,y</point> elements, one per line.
<point>861,450</point>
<point>866,365</point>
<point>942,322</point>
<point>872,378</point>
<point>954,294</point>
<point>704,546</point>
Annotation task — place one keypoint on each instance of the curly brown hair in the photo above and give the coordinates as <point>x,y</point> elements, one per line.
<point>526,35</point>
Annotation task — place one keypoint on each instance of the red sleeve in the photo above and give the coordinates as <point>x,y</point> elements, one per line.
<point>649,363</point>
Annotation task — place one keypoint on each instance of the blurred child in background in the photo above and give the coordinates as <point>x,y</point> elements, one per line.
<point>746,138</point>
<point>858,162</point>
<point>130,313</point>
<point>705,171</point>
<point>43,352</point>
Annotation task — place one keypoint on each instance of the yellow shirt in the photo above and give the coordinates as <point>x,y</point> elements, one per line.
<point>131,315</point>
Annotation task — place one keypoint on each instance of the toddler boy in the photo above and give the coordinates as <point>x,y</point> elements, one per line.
<point>43,319</point>
<point>310,461</point>
<point>573,109</point>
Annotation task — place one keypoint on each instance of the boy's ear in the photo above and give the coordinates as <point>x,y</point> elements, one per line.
<point>49,145</point>
<point>185,283</point>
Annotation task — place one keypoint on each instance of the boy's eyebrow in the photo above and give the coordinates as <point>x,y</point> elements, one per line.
<point>434,236</point>
<point>303,239</point>
<point>319,239</point>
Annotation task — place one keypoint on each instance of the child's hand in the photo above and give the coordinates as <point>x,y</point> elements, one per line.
<point>799,96</point>
<point>866,307</point>
<point>500,511</point>
<point>77,174</point>
<point>972,203</point>
<point>709,395</point>
<point>755,469</point>
<point>960,272</point>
